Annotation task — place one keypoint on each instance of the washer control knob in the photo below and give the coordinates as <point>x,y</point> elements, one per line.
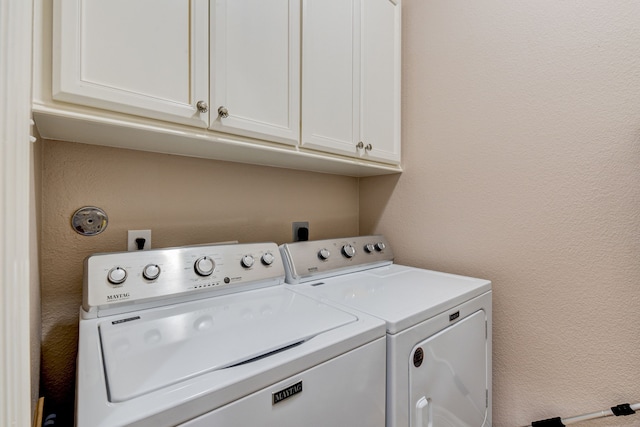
<point>348,251</point>
<point>117,275</point>
<point>324,254</point>
<point>268,258</point>
<point>151,271</point>
<point>204,266</point>
<point>369,247</point>
<point>247,261</point>
<point>380,246</point>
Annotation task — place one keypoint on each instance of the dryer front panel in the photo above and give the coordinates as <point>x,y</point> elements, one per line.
<point>448,376</point>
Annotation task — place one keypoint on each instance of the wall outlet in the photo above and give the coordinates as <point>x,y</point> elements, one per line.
<point>300,231</point>
<point>133,243</point>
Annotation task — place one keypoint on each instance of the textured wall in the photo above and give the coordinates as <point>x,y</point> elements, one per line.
<point>521,150</point>
<point>34,295</point>
<point>522,165</point>
<point>183,201</point>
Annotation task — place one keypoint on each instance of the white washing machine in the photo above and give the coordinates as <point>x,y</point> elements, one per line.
<point>210,336</point>
<point>438,326</point>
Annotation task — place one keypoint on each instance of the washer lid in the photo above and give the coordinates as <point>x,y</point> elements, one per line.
<point>151,349</point>
<point>402,296</point>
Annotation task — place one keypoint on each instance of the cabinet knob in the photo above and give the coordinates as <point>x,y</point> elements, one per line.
<point>360,145</point>
<point>369,147</point>
<point>223,112</point>
<point>202,106</point>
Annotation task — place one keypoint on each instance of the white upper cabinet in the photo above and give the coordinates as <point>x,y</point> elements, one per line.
<point>136,57</point>
<point>302,84</point>
<point>351,77</point>
<point>330,68</point>
<point>255,68</point>
<point>380,79</point>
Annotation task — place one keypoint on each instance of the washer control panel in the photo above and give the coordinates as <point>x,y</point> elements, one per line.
<point>155,277</point>
<point>323,258</point>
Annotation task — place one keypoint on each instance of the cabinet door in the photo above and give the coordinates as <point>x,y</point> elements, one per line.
<point>330,70</point>
<point>380,71</point>
<point>351,77</point>
<point>256,68</point>
<point>136,57</point>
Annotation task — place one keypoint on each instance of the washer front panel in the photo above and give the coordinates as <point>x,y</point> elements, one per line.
<point>340,393</point>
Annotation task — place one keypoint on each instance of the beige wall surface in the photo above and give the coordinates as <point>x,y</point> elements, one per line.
<point>34,244</point>
<point>521,151</point>
<point>183,201</point>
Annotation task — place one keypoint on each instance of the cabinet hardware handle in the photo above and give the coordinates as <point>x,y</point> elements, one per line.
<point>369,147</point>
<point>360,145</point>
<point>223,112</point>
<point>202,106</point>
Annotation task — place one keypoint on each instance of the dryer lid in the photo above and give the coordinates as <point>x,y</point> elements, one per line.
<point>151,349</point>
<point>402,296</point>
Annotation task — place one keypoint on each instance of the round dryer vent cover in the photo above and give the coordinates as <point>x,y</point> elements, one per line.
<point>89,221</point>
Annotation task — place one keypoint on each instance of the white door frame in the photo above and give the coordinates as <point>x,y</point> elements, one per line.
<point>16,22</point>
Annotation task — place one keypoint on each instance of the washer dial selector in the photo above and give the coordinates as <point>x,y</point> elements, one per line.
<point>324,254</point>
<point>380,246</point>
<point>117,275</point>
<point>247,261</point>
<point>151,271</point>
<point>369,247</point>
<point>348,250</point>
<point>268,258</point>
<point>204,266</point>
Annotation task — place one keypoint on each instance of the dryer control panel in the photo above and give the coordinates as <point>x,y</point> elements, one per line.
<point>312,260</point>
<point>123,281</point>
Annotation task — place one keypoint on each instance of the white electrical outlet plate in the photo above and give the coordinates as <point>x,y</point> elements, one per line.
<point>138,234</point>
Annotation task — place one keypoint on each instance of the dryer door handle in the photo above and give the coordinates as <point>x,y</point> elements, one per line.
<point>423,403</point>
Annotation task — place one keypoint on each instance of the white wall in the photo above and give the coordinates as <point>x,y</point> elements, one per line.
<point>521,149</point>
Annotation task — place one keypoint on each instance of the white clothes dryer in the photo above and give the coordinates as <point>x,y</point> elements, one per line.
<point>210,336</point>
<point>438,326</point>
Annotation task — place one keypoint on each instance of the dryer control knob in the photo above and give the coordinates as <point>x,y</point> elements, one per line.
<point>348,251</point>
<point>380,246</point>
<point>151,271</point>
<point>204,266</point>
<point>247,261</point>
<point>369,247</point>
<point>117,275</point>
<point>324,254</point>
<point>268,258</point>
